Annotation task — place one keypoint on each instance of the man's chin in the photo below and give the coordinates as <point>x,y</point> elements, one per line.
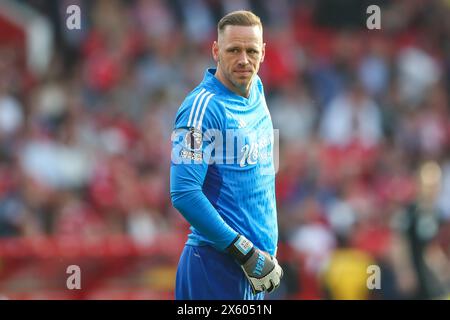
<point>243,82</point>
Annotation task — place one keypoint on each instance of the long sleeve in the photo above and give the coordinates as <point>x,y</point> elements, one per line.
<point>191,151</point>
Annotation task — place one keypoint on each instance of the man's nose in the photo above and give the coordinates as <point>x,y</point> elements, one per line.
<point>243,58</point>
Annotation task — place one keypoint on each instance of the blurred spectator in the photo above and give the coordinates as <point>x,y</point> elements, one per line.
<point>345,276</point>
<point>11,115</point>
<point>419,226</point>
<point>417,72</point>
<point>352,117</point>
<point>202,28</point>
<point>374,71</point>
<point>294,114</point>
<point>312,237</point>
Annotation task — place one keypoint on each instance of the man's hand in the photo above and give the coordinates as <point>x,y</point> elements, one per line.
<point>261,269</point>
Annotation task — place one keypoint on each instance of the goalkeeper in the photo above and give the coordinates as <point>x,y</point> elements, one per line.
<point>222,177</point>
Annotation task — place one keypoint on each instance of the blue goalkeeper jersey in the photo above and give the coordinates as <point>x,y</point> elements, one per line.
<point>222,177</point>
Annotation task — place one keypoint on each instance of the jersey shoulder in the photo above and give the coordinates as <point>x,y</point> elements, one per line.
<point>201,109</point>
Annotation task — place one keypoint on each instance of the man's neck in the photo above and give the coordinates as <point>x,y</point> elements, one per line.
<point>246,91</point>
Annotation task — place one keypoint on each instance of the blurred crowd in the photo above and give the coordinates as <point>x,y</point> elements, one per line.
<point>363,118</point>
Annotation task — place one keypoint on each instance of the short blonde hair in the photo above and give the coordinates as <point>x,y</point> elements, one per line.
<point>239,18</point>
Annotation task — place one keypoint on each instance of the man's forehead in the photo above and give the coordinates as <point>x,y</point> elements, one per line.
<point>240,34</point>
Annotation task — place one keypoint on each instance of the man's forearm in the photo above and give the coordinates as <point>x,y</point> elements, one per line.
<point>201,214</point>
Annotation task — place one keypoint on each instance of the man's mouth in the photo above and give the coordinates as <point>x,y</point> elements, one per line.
<point>243,72</point>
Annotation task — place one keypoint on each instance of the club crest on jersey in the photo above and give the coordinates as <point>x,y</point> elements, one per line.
<point>193,139</point>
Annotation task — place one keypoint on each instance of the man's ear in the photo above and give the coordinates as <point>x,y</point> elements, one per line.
<point>263,52</point>
<point>215,51</point>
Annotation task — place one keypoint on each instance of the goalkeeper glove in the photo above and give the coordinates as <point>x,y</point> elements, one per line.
<point>261,269</point>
